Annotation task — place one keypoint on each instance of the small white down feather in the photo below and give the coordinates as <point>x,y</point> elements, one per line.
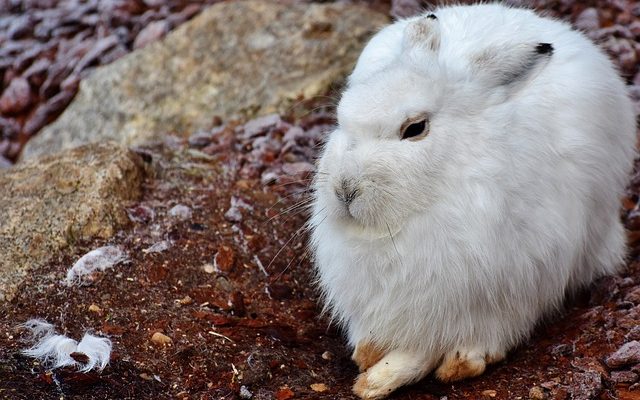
<point>55,350</point>
<point>97,260</point>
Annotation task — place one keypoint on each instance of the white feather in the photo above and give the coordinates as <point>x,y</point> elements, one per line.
<point>55,350</point>
<point>97,349</point>
<point>97,260</point>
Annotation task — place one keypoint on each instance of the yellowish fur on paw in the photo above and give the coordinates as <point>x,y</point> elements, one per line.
<point>369,389</point>
<point>361,386</point>
<point>494,358</point>
<point>460,365</point>
<point>397,368</point>
<point>366,354</point>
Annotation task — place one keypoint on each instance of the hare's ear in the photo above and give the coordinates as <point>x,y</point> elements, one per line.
<point>511,65</point>
<point>422,33</point>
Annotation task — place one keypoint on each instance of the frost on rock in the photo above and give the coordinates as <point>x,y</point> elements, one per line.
<point>96,260</point>
<point>180,212</point>
<point>234,213</point>
<point>55,350</point>
<point>158,247</point>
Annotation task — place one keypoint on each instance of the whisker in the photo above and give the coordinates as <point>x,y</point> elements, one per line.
<point>275,278</point>
<point>333,103</point>
<point>304,255</point>
<point>295,234</point>
<point>286,198</point>
<point>302,203</point>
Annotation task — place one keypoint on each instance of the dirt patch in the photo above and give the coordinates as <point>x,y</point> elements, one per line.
<point>217,300</point>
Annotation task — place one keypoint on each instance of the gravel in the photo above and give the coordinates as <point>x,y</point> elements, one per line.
<point>47,47</point>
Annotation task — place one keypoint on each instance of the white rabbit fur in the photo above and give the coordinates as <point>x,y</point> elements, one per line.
<point>455,245</point>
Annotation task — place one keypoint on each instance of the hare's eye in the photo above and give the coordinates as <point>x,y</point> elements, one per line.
<point>415,130</point>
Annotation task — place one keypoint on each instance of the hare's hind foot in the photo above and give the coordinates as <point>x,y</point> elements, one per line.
<point>397,368</point>
<point>461,364</point>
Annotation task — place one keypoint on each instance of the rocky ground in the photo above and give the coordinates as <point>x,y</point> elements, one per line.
<point>216,299</point>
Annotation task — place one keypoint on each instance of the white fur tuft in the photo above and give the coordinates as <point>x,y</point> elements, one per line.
<point>97,349</point>
<point>38,328</point>
<point>55,350</point>
<point>96,260</point>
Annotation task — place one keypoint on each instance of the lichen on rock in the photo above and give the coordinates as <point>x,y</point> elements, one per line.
<point>52,202</point>
<point>236,59</point>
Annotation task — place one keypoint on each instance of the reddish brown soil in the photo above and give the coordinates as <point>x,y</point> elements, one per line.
<point>236,326</point>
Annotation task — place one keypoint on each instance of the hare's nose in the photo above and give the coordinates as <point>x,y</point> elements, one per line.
<point>346,191</point>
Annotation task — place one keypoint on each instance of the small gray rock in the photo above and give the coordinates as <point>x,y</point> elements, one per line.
<point>629,353</point>
<point>624,377</point>
<point>586,386</point>
<point>151,33</point>
<point>16,97</point>
<point>180,212</point>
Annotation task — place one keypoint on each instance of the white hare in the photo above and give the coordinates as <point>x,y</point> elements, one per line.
<point>473,180</point>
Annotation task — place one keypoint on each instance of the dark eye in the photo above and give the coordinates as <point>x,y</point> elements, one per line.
<point>415,129</point>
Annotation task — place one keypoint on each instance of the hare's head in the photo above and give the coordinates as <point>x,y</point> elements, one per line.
<point>410,120</point>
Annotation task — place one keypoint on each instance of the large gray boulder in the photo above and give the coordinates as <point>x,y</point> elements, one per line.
<point>235,60</point>
<point>49,203</point>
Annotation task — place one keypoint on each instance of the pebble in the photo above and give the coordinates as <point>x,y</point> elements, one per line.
<point>16,97</point>
<point>233,214</point>
<point>629,353</point>
<point>225,258</point>
<point>319,387</point>
<point>624,377</point>
<point>284,393</point>
<point>259,125</point>
<point>585,385</point>
<point>633,296</point>
<point>268,178</point>
<point>146,376</point>
<point>141,214</point>
<point>181,212</point>
<point>536,393</point>
<point>160,339</point>
<point>95,308</point>
<point>209,268</point>
<point>200,139</point>
<point>489,394</point>
<point>562,350</point>
<point>151,33</point>
<point>158,247</point>
<point>245,393</point>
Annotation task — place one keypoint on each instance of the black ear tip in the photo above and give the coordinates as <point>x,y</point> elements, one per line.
<point>544,48</point>
<point>432,16</point>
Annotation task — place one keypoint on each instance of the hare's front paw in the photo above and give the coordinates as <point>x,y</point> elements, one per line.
<point>462,364</point>
<point>366,354</point>
<point>395,369</point>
